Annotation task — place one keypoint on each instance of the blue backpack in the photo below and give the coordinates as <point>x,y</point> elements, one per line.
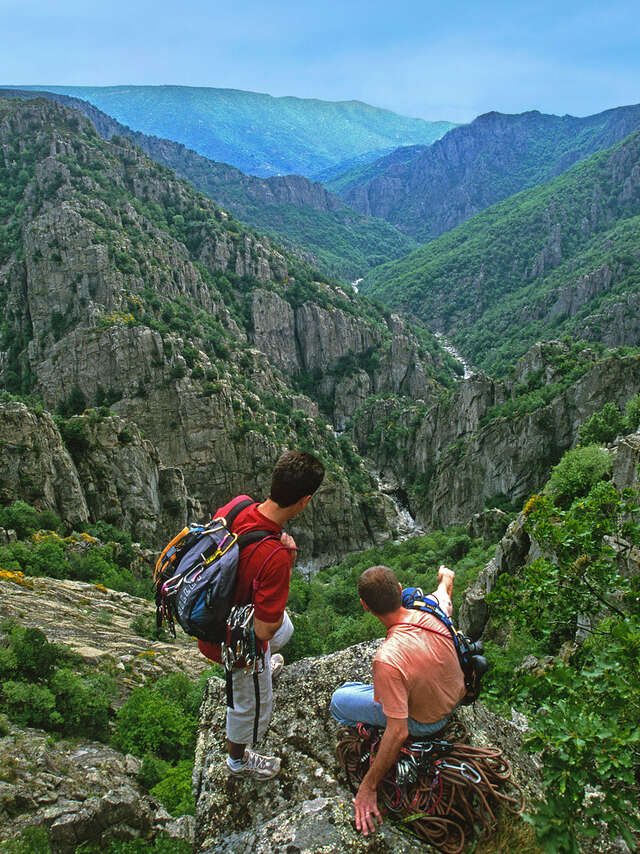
<point>195,576</point>
<point>473,664</point>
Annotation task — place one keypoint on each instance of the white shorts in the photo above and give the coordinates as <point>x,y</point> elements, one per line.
<point>241,719</point>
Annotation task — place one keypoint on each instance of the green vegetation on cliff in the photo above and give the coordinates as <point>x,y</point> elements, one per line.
<point>572,615</point>
<point>343,243</point>
<point>550,261</point>
<point>425,191</point>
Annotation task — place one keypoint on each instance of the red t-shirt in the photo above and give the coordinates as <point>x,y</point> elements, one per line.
<point>268,558</point>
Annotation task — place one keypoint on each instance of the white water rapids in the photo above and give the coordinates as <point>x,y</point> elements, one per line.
<point>446,345</point>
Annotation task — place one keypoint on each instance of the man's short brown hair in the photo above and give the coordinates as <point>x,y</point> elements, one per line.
<point>378,589</point>
<point>296,474</point>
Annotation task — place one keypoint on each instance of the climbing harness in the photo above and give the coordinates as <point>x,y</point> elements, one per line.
<point>441,789</point>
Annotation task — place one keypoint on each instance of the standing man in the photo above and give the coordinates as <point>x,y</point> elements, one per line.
<point>417,679</point>
<point>264,574</point>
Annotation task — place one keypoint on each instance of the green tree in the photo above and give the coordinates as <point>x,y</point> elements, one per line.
<point>577,472</point>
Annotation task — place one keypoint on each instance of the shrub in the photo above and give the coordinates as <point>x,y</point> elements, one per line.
<point>603,426</point>
<point>159,719</point>
<point>35,658</point>
<point>174,791</point>
<point>30,705</point>
<point>37,693</point>
<point>20,516</point>
<point>152,770</point>
<point>82,704</point>
<point>632,413</point>
<point>583,703</point>
<point>577,472</point>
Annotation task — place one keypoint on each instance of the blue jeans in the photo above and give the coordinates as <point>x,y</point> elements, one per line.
<point>354,702</point>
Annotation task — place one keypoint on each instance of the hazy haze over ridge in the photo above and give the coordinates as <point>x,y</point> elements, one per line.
<point>432,60</point>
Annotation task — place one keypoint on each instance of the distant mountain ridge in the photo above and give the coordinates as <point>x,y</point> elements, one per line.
<point>559,259</point>
<point>258,133</point>
<point>303,214</point>
<point>425,191</point>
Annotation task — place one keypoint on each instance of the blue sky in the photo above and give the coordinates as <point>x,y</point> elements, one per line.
<point>438,60</point>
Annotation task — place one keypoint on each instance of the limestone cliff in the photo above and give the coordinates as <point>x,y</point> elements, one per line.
<point>121,287</point>
<point>455,456</point>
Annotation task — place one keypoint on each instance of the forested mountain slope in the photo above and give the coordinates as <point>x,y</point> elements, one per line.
<point>562,258</point>
<point>426,191</point>
<point>295,211</point>
<point>258,133</point>
<point>123,289</point>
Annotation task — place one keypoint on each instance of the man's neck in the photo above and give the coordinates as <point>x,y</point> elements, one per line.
<point>399,616</point>
<point>273,511</point>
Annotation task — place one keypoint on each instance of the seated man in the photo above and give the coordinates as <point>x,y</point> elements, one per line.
<point>417,679</point>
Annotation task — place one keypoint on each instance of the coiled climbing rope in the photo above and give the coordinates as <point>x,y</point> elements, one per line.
<point>445,790</point>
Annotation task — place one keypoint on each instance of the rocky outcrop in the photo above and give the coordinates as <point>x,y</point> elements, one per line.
<point>313,340</point>
<point>453,464</point>
<point>79,791</point>
<point>35,465</point>
<point>514,550</point>
<point>96,623</point>
<point>307,807</point>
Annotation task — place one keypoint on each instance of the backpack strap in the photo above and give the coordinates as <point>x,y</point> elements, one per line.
<point>237,508</point>
<point>249,537</point>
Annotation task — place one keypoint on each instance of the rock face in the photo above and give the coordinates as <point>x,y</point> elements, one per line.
<point>514,550</point>
<point>132,291</point>
<point>80,792</point>
<point>97,624</point>
<point>306,808</point>
<point>453,464</point>
<point>426,191</point>
<point>36,466</point>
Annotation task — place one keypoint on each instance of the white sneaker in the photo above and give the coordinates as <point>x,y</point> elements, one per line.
<point>255,765</point>
<point>277,663</point>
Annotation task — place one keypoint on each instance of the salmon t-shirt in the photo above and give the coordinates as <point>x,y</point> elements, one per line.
<point>416,673</point>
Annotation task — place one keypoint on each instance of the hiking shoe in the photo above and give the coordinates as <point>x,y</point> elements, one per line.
<point>277,663</point>
<point>258,766</point>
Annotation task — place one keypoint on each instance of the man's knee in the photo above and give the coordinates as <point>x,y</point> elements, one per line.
<point>350,700</point>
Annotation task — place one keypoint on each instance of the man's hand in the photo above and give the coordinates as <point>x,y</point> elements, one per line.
<point>446,575</point>
<point>366,807</point>
<point>289,543</point>
<point>444,591</point>
<point>366,802</point>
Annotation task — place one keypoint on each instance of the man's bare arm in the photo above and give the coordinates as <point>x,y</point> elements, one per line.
<point>444,591</point>
<point>366,800</point>
<point>265,631</point>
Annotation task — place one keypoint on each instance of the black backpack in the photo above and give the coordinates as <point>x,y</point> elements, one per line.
<point>473,664</point>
